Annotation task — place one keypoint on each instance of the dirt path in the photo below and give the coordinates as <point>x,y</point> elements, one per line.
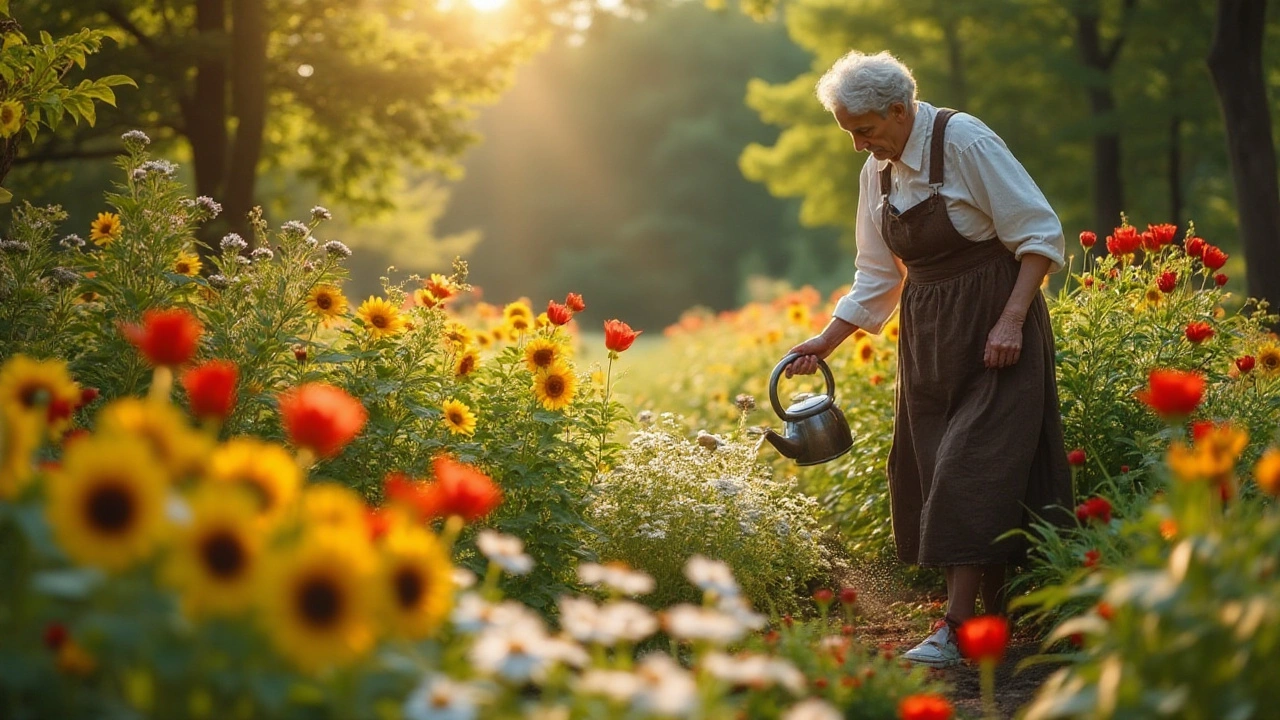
<point>895,615</point>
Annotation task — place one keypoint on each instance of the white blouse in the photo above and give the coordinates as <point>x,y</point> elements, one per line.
<point>988,194</point>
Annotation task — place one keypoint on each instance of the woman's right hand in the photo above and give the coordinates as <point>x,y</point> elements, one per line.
<point>811,351</point>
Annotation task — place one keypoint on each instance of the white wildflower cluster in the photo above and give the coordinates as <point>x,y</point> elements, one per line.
<point>135,140</point>
<point>261,254</point>
<point>337,249</point>
<point>233,243</point>
<point>163,168</point>
<point>71,242</point>
<point>669,497</point>
<point>321,213</point>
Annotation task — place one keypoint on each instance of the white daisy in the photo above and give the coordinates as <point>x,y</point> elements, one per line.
<point>504,550</point>
<point>439,698</point>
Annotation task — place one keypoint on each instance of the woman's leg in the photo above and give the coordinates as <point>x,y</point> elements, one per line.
<point>963,583</point>
<point>993,597</point>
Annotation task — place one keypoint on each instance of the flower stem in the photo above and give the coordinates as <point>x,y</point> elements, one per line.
<point>987,676</point>
<point>161,384</point>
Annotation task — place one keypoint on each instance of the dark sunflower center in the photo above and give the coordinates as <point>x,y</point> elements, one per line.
<point>455,417</point>
<point>520,323</point>
<point>379,320</point>
<point>223,554</point>
<point>34,395</point>
<point>409,587</point>
<point>555,386</point>
<point>319,602</point>
<point>466,365</point>
<point>111,508</point>
<point>260,492</point>
<point>183,267</point>
<point>543,357</point>
<point>323,301</point>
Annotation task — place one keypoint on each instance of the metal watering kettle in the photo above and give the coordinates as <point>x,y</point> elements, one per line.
<point>816,431</point>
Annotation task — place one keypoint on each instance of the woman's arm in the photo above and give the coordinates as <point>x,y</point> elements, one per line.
<point>1004,342</point>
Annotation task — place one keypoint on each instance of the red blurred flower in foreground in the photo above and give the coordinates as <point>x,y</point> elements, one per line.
<point>1076,457</point>
<point>848,596</point>
<point>823,596</point>
<point>575,303</point>
<point>87,395</point>
<point>211,388</point>
<point>165,337</point>
<point>1094,508</point>
<point>924,707</point>
<point>1199,331</point>
<point>1092,558</point>
<point>1213,257</point>
<point>1167,282</point>
<point>458,490</point>
<point>321,418</point>
<point>1172,393</point>
<point>984,638</point>
<point>618,335</point>
<point>1195,246</point>
<point>1088,238</point>
<point>558,314</point>
<point>55,635</point>
<point>1245,363</point>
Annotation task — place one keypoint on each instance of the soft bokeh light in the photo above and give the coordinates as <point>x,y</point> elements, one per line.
<point>488,5</point>
<point>306,70</point>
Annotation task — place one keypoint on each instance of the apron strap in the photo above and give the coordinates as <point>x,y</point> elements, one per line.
<point>937,149</point>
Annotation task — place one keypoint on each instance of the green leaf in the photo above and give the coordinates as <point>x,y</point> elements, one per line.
<point>5,196</point>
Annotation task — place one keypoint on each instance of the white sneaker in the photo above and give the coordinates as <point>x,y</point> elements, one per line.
<point>938,650</point>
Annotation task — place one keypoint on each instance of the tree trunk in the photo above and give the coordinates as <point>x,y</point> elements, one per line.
<point>955,58</point>
<point>1235,62</point>
<point>249,103</point>
<point>204,112</point>
<point>1175,169</point>
<point>1108,180</point>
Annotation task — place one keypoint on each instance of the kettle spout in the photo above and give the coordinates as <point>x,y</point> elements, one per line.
<point>788,447</point>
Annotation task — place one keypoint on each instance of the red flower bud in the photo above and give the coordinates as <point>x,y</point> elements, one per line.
<point>1076,457</point>
<point>574,302</point>
<point>211,389</point>
<point>1199,331</point>
<point>618,335</point>
<point>848,596</point>
<point>1245,363</point>
<point>1195,246</point>
<point>1167,282</point>
<point>1124,469</point>
<point>1092,558</point>
<point>1220,279</point>
<point>984,638</point>
<point>1098,507</point>
<point>1088,238</point>
<point>558,314</point>
<point>823,596</point>
<point>1213,257</point>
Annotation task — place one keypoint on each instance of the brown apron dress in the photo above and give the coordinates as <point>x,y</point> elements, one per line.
<point>975,451</point>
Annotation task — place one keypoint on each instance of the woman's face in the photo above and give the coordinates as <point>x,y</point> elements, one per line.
<point>884,137</point>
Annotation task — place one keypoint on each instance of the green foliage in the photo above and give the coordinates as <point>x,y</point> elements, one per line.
<point>668,499</point>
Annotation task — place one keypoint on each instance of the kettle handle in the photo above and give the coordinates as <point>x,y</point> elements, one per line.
<point>773,390</point>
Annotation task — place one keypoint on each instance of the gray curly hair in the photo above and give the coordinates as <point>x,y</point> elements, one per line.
<point>864,83</point>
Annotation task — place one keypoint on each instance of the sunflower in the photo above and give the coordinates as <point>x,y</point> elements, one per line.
<point>542,353</point>
<point>798,314</point>
<point>38,389</point>
<point>416,582</point>
<point>554,386</point>
<point>327,301</point>
<point>335,507</point>
<point>19,438</point>
<point>107,501</point>
<point>105,229</point>
<point>187,264</point>
<point>457,334</point>
<point>892,330</point>
<point>517,309</point>
<point>267,470</point>
<point>498,334</point>
<point>1269,359</point>
<point>863,351</point>
<point>318,601</point>
<point>518,325</point>
<point>181,449</point>
<point>423,298</point>
<point>216,559</point>
<point>380,317</point>
<point>466,363</point>
<point>11,116</point>
<point>483,340</point>
<point>458,417</point>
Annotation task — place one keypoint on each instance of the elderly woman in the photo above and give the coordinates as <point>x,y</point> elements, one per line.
<point>951,227</point>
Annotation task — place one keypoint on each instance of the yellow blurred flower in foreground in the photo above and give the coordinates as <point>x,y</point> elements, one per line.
<point>554,387</point>
<point>215,559</point>
<point>458,417</point>
<point>417,581</point>
<point>105,229</point>
<point>39,390</point>
<point>266,470</point>
<point>107,502</point>
<point>180,448</point>
<point>1212,456</point>
<point>333,506</point>
<point>318,601</point>
<point>1267,472</point>
<point>19,438</point>
<point>380,317</point>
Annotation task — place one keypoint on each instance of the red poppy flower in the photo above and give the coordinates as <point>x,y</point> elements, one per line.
<point>1097,507</point>
<point>1173,393</point>
<point>1195,246</point>
<point>1213,257</point>
<point>823,596</point>
<point>165,337</point>
<point>1125,241</point>
<point>458,490</point>
<point>87,395</point>
<point>618,335</point>
<point>925,707</point>
<point>575,303</point>
<point>558,314</point>
<point>1163,233</point>
<point>321,418</point>
<point>848,596</point>
<point>984,638</point>
<point>1245,363</point>
<point>1167,282</point>
<point>1150,242</point>
<point>211,388</point>
<point>1199,331</point>
<point>1076,457</point>
<point>1092,558</point>
<point>1088,238</point>
<point>1220,279</point>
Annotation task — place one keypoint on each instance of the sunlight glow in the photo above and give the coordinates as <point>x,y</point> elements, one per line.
<point>487,5</point>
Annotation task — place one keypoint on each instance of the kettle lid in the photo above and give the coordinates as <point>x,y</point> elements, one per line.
<point>807,405</point>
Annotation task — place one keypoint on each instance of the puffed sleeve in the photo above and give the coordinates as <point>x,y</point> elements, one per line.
<point>1002,188</point>
<point>877,284</point>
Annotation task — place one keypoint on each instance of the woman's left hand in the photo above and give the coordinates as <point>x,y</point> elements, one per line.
<point>1004,343</point>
